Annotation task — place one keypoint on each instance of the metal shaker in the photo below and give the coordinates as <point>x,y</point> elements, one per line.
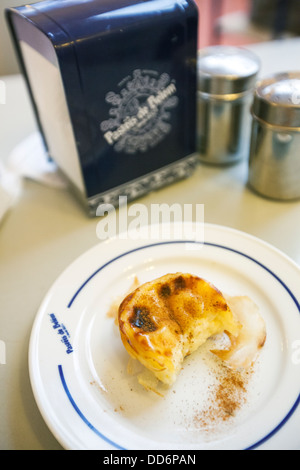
<point>274,164</point>
<point>226,81</point>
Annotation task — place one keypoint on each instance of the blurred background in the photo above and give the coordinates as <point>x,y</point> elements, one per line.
<point>235,22</point>
<point>241,22</point>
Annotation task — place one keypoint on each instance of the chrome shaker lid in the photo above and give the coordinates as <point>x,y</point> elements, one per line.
<point>277,100</point>
<point>224,70</point>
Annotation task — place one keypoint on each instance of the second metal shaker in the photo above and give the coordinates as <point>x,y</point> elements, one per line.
<point>274,164</point>
<point>226,80</point>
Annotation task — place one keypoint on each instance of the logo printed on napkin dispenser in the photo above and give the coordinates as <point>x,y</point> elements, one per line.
<point>141,111</point>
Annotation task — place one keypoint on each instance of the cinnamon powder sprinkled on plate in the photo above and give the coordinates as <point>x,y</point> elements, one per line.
<point>227,397</point>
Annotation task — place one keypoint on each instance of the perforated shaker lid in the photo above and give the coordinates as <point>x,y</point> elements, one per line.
<point>277,99</point>
<point>224,70</point>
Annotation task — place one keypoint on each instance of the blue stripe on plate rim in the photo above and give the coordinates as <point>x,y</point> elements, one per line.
<point>60,369</point>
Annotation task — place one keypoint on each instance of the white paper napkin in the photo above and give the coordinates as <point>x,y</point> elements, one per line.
<point>30,160</point>
<point>27,160</point>
<point>10,189</point>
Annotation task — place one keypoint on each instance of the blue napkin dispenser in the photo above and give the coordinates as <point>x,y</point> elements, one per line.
<point>113,85</point>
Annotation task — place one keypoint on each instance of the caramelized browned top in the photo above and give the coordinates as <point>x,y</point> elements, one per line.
<point>174,301</point>
<point>141,318</point>
<point>164,320</point>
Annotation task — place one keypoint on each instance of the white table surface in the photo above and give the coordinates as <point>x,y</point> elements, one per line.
<point>48,229</point>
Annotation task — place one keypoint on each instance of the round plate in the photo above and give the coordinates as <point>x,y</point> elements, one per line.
<point>79,367</point>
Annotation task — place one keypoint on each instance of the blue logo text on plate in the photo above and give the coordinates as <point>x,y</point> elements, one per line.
<point>62,332</point>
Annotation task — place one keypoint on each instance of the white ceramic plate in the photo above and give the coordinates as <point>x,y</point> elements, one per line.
<point>78,366</point>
